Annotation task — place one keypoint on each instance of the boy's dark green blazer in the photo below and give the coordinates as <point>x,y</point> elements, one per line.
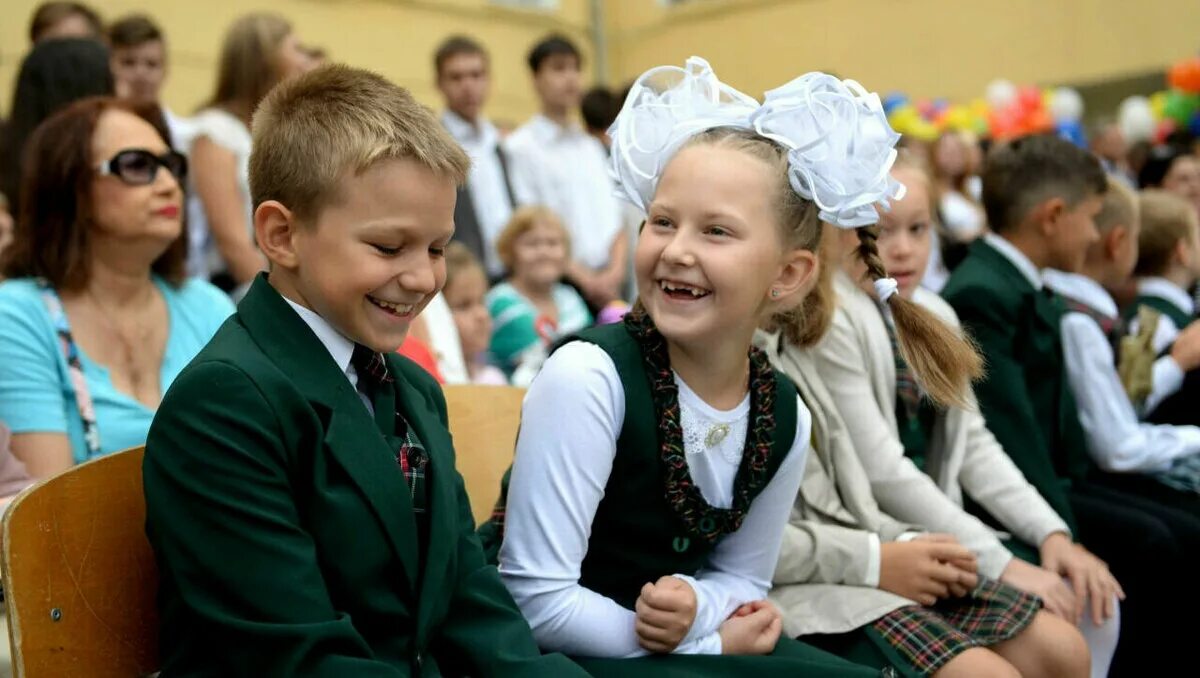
<point>284,532</point>
<point>1024,395</point>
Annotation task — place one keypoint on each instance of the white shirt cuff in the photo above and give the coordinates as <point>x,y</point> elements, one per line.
<point>1167,376</point>
<point>710,644</point>
<point>874,561</point>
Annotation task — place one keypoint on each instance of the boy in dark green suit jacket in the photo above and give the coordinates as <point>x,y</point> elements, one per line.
<point>1041,195</point>
<point>302,500</point>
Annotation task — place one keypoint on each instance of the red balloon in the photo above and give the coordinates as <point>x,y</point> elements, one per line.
<point>1029,98</point>
<point>1039,121</point>
<point>1166,126</point>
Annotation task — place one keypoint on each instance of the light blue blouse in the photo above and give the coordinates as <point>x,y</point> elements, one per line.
<point>35,391</point>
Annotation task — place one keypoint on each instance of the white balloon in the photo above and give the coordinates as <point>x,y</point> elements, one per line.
<point>1136,119</point>
<point>1066,105</point>
<point>1000,94</point>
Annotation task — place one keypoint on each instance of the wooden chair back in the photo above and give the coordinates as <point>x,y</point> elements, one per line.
<point>484,422</point>
<point>79,576</point>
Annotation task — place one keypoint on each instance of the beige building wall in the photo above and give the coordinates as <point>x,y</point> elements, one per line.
<point>924,47</point>
<point>395,37</point>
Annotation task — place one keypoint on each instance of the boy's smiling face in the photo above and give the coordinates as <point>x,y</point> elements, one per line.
<point>374,256</point>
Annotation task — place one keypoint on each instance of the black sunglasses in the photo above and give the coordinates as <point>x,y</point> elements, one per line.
<point>139,167</point>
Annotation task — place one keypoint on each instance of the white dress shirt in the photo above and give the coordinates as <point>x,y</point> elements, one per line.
<point>1017,258</point>
<point>340,348</point>
<point>1117,441</point>
<point>566,170</point>
<point>485,183</point>
<point>558,479</point>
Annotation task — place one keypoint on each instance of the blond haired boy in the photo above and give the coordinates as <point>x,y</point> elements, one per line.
<point>301,494</point>
<point>1092,331</point>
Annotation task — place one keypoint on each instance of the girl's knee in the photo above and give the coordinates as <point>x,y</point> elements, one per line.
<point>977,662</point>
<point>1057,649</point>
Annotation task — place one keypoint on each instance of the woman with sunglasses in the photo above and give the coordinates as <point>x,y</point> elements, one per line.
<point>96,316</point>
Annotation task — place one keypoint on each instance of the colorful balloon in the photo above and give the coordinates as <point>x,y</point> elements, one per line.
<point>1136,119</point>
<point>1066,105</point>
<point>1000,94</point>
<point>1180,106</point>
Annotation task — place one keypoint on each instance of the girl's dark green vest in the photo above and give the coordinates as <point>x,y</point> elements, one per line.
<point>636,535</point>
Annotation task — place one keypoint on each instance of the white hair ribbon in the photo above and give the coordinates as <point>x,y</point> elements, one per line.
<point>885,288</point>
<point>839,143</point>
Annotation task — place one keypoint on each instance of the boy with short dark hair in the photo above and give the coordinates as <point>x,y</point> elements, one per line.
<point>487,200</point>
<point>1042,195</point>
<point>301,495</point>
<point>557,164</point>
<point>139,66</point>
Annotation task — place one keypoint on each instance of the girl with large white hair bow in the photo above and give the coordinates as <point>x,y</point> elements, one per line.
<point>658,459</point>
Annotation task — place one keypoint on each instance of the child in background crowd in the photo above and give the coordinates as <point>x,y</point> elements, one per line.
<point>466,285</point>
<point>533,308</point>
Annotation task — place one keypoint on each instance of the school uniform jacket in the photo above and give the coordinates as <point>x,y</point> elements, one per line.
<point>825,580</point>
<point>856,360</point>
<point>285,534</point>
<point>1024,394</point>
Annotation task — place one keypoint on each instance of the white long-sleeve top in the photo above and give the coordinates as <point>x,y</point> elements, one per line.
<point>570,422</point>
<point>1116,440</point>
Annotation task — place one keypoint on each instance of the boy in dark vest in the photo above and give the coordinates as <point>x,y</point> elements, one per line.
<point>1168,265</point>
<point>301,494</point>
<point>1042,195</point>
<point>1131,455</point>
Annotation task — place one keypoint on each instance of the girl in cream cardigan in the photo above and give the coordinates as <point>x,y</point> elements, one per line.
<point>905,442</point>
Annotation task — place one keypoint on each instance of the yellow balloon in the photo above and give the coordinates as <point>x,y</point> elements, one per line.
<point>1158,102</point>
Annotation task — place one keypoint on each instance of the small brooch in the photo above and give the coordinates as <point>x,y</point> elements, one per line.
<point>716,433</point>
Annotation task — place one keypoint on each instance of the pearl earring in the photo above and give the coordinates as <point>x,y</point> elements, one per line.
<point>774,294</point>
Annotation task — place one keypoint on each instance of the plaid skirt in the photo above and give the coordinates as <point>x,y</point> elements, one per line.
<point>927,638</point>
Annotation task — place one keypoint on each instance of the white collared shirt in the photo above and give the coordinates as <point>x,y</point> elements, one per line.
<point>340,348</point>
<point>485,183</point>
<point>1116,440</point>
<point>1161,288</point>
<point>566,170</point>
<point>1169,291</point>
<point>1016,257</point>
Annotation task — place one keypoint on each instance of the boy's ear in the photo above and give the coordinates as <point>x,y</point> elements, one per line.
<point>1114,240</point>
<point>275,229</point>
<point>1048,213</point>
<point>1183,253</point>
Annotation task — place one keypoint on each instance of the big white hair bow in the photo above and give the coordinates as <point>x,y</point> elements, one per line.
<point>840,146</point>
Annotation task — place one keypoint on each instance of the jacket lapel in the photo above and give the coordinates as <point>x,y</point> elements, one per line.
<point>351,435</point>
<point>442,511</point>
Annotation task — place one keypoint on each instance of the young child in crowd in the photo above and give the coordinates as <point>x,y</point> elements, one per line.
<point>1168,263</point>
<point>301,495</point>
<point>671,486</point>
<point>1042,195</point>
<point>1138,457</point>
<point>904,439</point>
<point>533,307</point>
<point>466,285</point>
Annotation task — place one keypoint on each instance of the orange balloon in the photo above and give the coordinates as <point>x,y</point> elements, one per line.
<point>1185,75</point>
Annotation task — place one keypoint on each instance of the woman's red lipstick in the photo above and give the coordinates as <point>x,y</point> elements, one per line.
<point>170,211</point>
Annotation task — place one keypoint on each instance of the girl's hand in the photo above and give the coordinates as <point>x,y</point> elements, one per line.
<point>753,628</point>
<point>1058,598</point>
<point>1089,576</point>
<point>665,612</point>
<point>925,570</point>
